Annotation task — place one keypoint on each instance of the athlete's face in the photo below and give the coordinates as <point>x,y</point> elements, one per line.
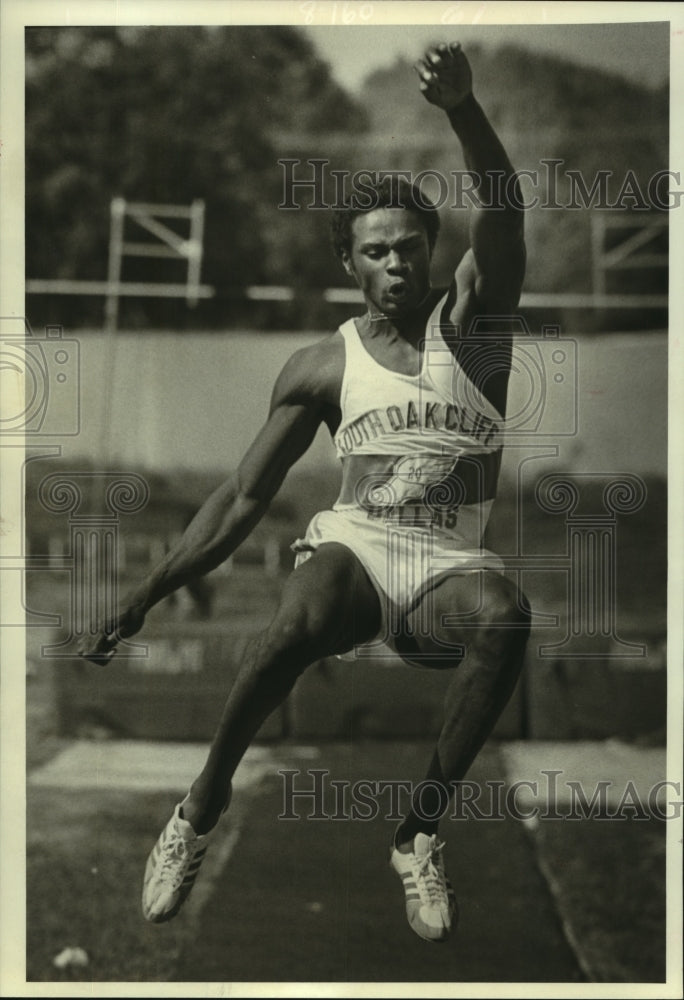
<point>390,260</point>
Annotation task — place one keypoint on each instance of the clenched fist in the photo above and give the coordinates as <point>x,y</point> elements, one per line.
<point>445,75</point>
<point>101,647</point>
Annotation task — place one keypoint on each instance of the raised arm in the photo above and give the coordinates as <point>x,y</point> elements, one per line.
<point>495,264</point>
<point>233,510</point>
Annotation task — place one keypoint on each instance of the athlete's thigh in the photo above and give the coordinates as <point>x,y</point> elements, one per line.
<point>331,598</point>
<point>454,612</point>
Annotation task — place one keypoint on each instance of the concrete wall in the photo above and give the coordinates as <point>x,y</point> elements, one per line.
<point>177,690</point>
<point>196,400</point>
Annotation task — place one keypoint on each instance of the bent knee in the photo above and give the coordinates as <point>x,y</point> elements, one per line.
<point>299,637</point>
<point>504,605</point>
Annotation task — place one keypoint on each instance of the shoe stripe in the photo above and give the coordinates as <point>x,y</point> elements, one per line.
<point>193,869</point>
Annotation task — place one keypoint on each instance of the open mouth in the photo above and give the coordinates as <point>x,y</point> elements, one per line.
<point>398,290</point>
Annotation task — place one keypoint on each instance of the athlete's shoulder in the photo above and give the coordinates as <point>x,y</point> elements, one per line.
<point>313,374</point>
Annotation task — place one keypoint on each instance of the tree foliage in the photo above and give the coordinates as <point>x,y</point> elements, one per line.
<point>174,114</point>
<point>169,115</point>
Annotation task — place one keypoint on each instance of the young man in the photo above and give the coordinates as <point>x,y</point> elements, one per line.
<point>415,406</point>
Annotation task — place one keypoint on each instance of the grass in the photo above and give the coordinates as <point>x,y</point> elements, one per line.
<point>609,880</point>
<point>84,852</point>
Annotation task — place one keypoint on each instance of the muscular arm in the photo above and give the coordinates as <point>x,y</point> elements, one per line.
<point>497,257</point>
<point>232,511</point>
<point>492,270</point>
<point>298,406</point>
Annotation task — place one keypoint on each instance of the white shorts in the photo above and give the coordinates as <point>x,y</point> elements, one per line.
<point>402,563</point>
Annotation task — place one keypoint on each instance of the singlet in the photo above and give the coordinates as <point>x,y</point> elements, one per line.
<point>420,451</point>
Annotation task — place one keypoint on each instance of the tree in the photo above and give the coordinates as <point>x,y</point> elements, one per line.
<point>169,115</point>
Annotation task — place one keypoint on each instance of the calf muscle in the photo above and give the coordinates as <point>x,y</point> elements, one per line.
<point>328,606</point>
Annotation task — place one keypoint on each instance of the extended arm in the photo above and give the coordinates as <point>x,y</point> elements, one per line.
<point>232,511</point>
<point>495,264</point>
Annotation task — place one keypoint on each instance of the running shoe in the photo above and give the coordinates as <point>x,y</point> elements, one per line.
<point>430,900</point>
<point>172,868</point>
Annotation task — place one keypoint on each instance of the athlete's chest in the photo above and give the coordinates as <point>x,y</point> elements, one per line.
<point>395,356</point>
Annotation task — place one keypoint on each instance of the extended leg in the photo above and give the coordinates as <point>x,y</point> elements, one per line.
<point>328,605</point>
<point>487,651</point>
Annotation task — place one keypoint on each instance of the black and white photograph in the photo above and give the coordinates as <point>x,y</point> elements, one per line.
<point>341,399</point>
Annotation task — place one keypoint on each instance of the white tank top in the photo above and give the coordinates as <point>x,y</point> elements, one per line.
<point>422,450</point>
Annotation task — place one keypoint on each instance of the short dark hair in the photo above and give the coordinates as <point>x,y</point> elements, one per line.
<point>393,191</point>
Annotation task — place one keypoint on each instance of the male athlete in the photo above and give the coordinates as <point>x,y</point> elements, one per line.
<point>415,404</point>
